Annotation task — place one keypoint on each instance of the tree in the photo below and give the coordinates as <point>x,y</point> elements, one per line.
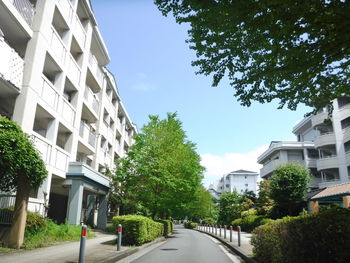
<point>288,188</point>
<point>230,207</point>
<point>264,203</point>
<point>201,206</point>
<point>21,169</point>
<point>294,51</point>
<point>162,170</point>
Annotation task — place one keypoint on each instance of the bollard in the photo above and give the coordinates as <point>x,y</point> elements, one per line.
<point>220,231</point>
<point>239,235</point>
<point>82,244</point>
<point>216,230</point>
<point>230,233</point>
<point>119,243</point>
<point>225,232</point>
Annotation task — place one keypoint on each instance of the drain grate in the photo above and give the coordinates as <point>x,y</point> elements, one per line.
<point>168,249</point>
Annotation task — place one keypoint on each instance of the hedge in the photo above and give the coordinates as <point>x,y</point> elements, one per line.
<point>138,230</point>
<point>190,225</point>
<point>250,222</point>
<point>168,226</point>
<point>324,237</point>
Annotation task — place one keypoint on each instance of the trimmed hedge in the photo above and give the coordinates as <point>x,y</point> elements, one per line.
<point>250,222</point>
<point>190,225</point>
<point>138,230</point>
<point>168,226</point>
<point>324,237</point>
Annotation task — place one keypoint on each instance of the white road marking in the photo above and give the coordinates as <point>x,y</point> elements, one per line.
<point>232,257</point>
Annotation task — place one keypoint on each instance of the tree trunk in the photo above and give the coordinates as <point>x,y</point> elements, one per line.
<point>16,234</point>
<point>116,210</point>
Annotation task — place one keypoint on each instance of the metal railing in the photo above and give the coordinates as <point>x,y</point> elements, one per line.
<point>6,201</point>
<point>26,9</point>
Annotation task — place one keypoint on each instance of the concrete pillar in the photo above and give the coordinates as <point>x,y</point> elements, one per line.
<point>75,202</point>
<point>102,212</point>
<point>91,204</point>
<point>314,207</point>
<point>346,201</point>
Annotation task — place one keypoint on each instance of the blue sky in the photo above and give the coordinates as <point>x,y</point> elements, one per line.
<point>152,66</point>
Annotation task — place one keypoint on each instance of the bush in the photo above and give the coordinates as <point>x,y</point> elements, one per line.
<point>190,225</point>
<point>250,222</point>
<point>209,221</point>
<point>168,226</point>
<point>309,239</point>
<point>138,230</point>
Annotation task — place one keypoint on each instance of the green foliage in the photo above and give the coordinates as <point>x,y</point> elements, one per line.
<point>324,237</point>
<point>168,226</point>
<point>138,230</point>
<point>288,188</point>
<point>209,221</point>
<point>264,203</point>
<point>190,225</point>
<point>230,207</point>
<point>18,157</point>
<point>160,165</point>
<point>250,222</point>
<point>293,51</point>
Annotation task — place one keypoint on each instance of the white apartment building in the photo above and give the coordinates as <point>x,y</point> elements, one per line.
<point>240,181</point>
<point>55,85</point>
<point>322,146</point>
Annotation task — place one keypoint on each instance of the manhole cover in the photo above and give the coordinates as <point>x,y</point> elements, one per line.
<point>168,249</point>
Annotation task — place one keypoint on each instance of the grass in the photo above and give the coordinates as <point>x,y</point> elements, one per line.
<point>52,233</point>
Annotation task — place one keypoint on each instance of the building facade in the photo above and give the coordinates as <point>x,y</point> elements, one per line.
<point>323,146</point>
<point>54,83</point>
<point>239,181</point>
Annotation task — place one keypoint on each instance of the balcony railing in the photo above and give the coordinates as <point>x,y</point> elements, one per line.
<point>66,10</point>
<point>57,46</point>
<point>79,32</point>
<point>26,9</point>
<point>11,64</point>
<point>91,99</point>
<point>74,70</point>
<point>87,134</point>
<point>68,112</point>
<point>43,147</point>
<point>60,159</point>
<point>95,68</point>
<point>47,92</point>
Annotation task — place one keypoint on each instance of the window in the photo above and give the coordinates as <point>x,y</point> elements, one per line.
<point>245,177</point>
<point>246,185</point>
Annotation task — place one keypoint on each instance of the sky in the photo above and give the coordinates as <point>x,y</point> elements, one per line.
<point>152,65</point>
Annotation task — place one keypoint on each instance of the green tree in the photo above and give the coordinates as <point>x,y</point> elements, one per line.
<point>288,188</point>
<point>294,51</point>
<point>230,207</point>
<point>264,203</point>
<point>162,170</point>
<point>21,169</point>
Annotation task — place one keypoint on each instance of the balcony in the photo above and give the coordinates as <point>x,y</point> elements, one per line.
<point>329,183</point>
<point>95,69</point>
<point>327,162</point>
<point>11,65</point>
<point>272,165</point>
<point>91,100</point>
<point>79,32</point>
<point>43,147</point>
<point>68,112</point>
<point>346,134</point>
<point>344,111</point>
<point>58,48</point>
<point>25,8</point>
<point>74,71</point>
<point>66,10</point>
<point>325,139</point>
<point>48,93</point>
<point>319,118</point>
<point>347,157</point>
<point>60,161</point>
<point>87,134</point>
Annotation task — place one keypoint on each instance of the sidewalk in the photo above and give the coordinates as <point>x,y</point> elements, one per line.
<point>100,249</point>
<point>245,250</point>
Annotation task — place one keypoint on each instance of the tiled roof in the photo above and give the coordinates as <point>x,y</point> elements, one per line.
<point>341,189</point>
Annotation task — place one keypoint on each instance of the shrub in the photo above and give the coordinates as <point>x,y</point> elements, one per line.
<point>138,230</point>
<point>324,237</point>
<point>250,222</point>
<point>209,221</point>
<point>168,226</point>
<point>190,225</point>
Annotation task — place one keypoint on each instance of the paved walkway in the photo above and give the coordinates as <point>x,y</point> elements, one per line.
<point>245,250</point>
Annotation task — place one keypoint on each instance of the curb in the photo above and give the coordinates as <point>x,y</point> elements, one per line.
<point>231,247</point>
<point>129,251</point>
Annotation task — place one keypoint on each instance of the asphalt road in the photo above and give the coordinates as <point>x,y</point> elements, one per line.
<point>188,246</point>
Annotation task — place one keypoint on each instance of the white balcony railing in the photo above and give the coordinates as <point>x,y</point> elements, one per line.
<point>74,70</point>
<point>60,159</point>
<point>324,139</point>
<point>66,10</point>
<point>43,147</point>
<point>95,68</point>
<point>57,46</point>
<point>26,9</point>
<point>327,162</point>
<point>87,134</point>
<point>47,92</point>
<point>91,99</point>
<point>11,65</point>
<point>79,32</point>
<point>68,112</point>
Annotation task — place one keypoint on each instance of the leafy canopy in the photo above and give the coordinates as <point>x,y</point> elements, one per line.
<point>294,51</point>
<point>18,157</point>
<point>162,170</point>
<point>288,188</point>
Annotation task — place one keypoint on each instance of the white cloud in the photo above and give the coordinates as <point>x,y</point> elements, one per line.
<point>218,165</point>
